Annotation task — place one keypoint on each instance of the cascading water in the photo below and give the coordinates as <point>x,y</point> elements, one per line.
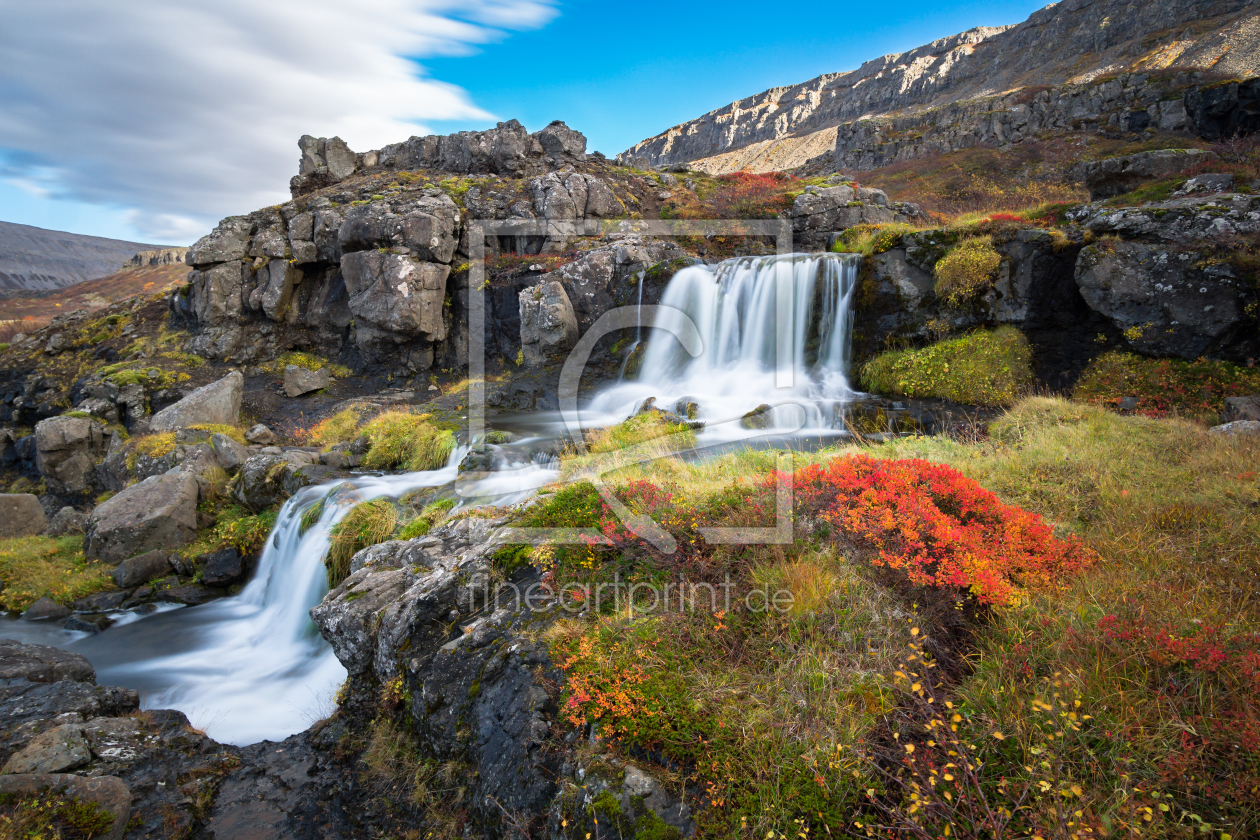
<point>755,350</point>
<point>254,666</point>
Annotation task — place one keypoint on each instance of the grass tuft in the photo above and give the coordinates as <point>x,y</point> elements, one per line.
<point>401,440</point>
<point>367,523</point>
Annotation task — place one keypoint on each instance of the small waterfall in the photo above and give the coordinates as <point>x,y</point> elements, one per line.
<point>736,308</point>
<point>638,332</point>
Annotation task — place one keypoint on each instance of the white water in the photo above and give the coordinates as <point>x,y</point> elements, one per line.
<point>254,667</point>
<point>755,351</point>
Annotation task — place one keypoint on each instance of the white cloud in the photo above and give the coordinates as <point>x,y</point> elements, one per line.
<point>188,110</point>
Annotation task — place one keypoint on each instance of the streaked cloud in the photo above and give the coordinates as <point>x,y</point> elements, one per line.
<point>190,111</point>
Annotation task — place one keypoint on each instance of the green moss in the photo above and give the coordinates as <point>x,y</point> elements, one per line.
<point>983,368</point>
<point>50,815</point>
<point>640,428</point>
<point>219,429</point>
<point>36,567</point>
<point>651,827</point>
<point>967,270</point>
<point>367,523</point>
<point>155,445</point>
<point>234,527</point>
<point>309,361</point>
<point>428,519</point>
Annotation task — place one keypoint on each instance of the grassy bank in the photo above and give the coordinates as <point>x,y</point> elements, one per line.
<point>1089,674</point>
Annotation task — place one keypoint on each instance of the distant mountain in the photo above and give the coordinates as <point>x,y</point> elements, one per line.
<point>1074,41</point>
<point>34,258</point>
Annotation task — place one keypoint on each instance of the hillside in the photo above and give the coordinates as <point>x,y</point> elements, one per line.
<point>40,306</point>
<point>1072,42</point>
<point>34,258</point>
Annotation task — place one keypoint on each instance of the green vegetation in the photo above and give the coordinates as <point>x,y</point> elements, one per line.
<point>367,523</point>
<point>51,816</point>
<point>640,428</point>
<point>401,440</point>
<point>428,519</point>
<point>342,426</point>
<point>967,270</point>
<point>234,527</point>
<point>309,361</point>
<point>155,445</point>
<point>869,240</point>
<point>311,515</point>
<point>983,368</point>
<point>1165,386</point>
<point>34,567</point>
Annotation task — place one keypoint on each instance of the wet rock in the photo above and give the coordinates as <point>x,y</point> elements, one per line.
<point>41,664</point>
<point>261,435</point>
<point>141,569</point>
<point>65,521</point>
<point>46,608</point>
<point>548,324</point>
<point>299,380</point>
<point>218,403</point>
<point>21,515</point>
<point>108,792</point>
<point>190,594</point>
<point>222,567</point>
<point>67,451</point>
<point>1241,408</point>
<point>63,748</point>
<point>158,513</point>
<point>271,477</point>
<point>758,418</point>
<point>88,623</point>
<point>229,454</point>
<point>101,601</point>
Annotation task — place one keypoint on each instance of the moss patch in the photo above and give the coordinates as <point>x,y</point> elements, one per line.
<point>34,567</point>
<point>967,270</point>
<point>983,368</point>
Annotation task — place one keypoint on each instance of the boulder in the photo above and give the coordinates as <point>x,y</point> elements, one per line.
<point>820,211</point>
<point>218,403</point>
<point>21,515</point>
<point>548,324</point>
<point>46,608</point>
<point>62,748</point>
<point>269,478</point>
<point>1238,427</point>
<point>396,293</point>
<point>1216,182</point>
<point>260,435</point>
<point>759,418</point>
<point>141,569</point>
<point>67,450</point>
<point>228,241</point>
<point>41,664</point>
<point>228,453</point>
<point>222,567</point>
<point>190,594</point>
<point>1167,302</point>
<point>108,792</point>
<point>1241,408</point>
<point>1119,175</point>
<point>299,380</point>
<point>66,521</point>
<point>158,513</point>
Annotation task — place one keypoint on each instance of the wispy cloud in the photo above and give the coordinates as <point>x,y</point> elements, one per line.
<point>188,111</point>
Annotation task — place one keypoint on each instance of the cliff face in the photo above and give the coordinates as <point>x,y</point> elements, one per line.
<point>1069,42</point>
<point>34,258</point>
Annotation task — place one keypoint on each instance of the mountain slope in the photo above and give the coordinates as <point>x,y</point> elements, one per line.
<point>1072,41</point>
<point>34,258</point>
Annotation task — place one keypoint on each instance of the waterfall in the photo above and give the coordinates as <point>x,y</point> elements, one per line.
<point>752,355</point>
<point>254,666</point>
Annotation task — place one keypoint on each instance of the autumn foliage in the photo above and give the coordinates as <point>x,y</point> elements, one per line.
<point>937,527</point>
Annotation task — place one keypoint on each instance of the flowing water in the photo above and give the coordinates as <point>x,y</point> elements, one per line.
<point>254,667</point>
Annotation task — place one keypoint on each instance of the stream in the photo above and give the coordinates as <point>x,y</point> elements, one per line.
<point>253,666</point>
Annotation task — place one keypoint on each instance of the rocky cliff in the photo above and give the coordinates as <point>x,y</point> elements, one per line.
<point>34,258</point>
<point>1072,42</point>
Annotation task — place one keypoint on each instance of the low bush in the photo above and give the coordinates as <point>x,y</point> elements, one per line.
<point>1161,387</point>
<point>989,368</point>
<point>967,270</point>
<point>367,523</point>
<point>35,567</point>
<point>869,240</point>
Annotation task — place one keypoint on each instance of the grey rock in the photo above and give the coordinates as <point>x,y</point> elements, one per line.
<point>228,241</point>
<point>63,748</point>
<point>1238,427</point>
<point>1209,183</point>
<point>46,608</point>
<point>216,293</point>
<point>88,623</point>
<point>758,418</point>
<point>138,570</point>
<point>109,792</point>
<point>299,380</point>
<point>68,450</point>
<point>268,478</point>
<point>218,403</point>
<point>102,408</point>
<point>190,594</point>
<point>41,664</point>
<point>396,293</point>
<point>1119,175</point>
<point>158,513</point>
<point>1241,408</point>
<point>21,515</point>
<point>548,324</point>
<point>260,435</point>
<point>229,454</point>
<point>67,521</point>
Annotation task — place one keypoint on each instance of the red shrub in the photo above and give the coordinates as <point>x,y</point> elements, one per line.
<point>1006,217</point>
<point>744,195</point>
<point>936,526</point>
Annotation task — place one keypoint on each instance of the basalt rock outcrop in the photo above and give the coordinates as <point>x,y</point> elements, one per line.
<point>958,84</point>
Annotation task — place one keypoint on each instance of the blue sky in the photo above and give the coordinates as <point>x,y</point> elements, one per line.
<point>111,127</point>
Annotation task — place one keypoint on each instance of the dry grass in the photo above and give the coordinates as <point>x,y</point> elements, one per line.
<point>34,567</point>
<point>367,523</point>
